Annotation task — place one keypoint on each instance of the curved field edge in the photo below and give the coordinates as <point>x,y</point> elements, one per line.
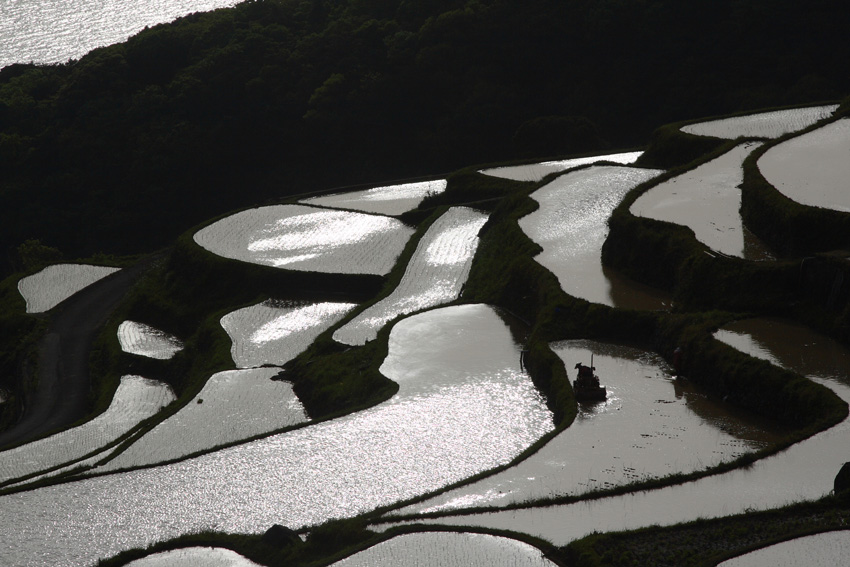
<point>792,228</point>
<point>705,543</point>
<point>324,545</point>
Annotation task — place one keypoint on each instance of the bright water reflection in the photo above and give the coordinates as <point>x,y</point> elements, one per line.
<point>762,125</point>
<point>54,284</point>
<point>53,31</point>
<point>435,274</point>
<point>650,426</point>
<point>537,171</point>
<point>194,557</point>
<point>805,471</point>
<point>144,340</point>
<point>275,332</point>
<point>135,399</point>
<point>813,168</point>
<point>390,200</point>
<point>463,406</point>
<point>831,549</point>
<point>233,405</point>
<point>448,549</point>
<point>571,225</point>
<point>297,237</point>
<point>707,200</point>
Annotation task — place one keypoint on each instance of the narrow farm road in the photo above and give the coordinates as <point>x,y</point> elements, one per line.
<point>63,372</point>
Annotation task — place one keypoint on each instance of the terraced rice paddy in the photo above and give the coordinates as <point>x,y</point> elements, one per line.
<point>233,405</point>
<point>144,340</point>
<point>275,332</point>
<point>537,171</point>
<point>194,557</point>
<point>821,550</point>
<point>448,549</point>
<point>804,471</point>
<point>135,400</point>
<point>389,200</point>
<point>812,168</point>
<point>434,276</point>
<point>297,237</point>
<point>647,414</point>
<point>707,200</point>
<point>459,381</point>
<point>763,124</point>
<point>52,285</point>
<point>571,225</point>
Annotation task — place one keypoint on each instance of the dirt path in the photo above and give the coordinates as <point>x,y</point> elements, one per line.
<point>64,381</point>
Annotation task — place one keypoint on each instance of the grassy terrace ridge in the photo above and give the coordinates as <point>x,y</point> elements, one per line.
<point>792,228</point>
<point>190,292</point>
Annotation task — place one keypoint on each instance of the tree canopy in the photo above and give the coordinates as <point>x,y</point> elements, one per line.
<point>134,143</point>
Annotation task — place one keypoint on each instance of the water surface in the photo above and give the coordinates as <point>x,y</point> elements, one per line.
<point>820,550</point>
<point>463,406</point>
<point>537,171</point>
<point>762,125</point>
<point>233,405</point>
<point>390,200</point>
<point>144,340</point>
<point>297,237</point>
<point>805,471</point>
<point>194,557</point>
<point>571,225</point>
<point>275,332</point>
<point>54,284</point>
<point>53,31</point>
<point>135,400</point>
<point>448,549</point>
<point>707,200</point>
<point>813,168</point>
<point>649,427</point>
<point>435,274</point>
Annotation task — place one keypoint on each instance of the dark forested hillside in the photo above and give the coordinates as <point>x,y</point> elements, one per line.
<point>125,148</point>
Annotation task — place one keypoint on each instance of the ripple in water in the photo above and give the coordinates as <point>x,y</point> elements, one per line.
<point>463,406</point>
<point>298,237</point>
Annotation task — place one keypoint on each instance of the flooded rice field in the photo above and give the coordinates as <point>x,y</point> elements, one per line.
<point>459,380</point>
<point>233,405</point>
<point>297,237</point>
<point>828,549</point>
<point>448,549</point>
<point>707,200</point>
<point>648,414</point>
<point>763,124</point>
<point>46,31</point>
<point>804,471</point>
<point>144,340</point>
<point>537,171</point>
<point>54,284</point>
<point>389,200</point>
<point>135,400</point>
<point>194,557</point>
<point>275,332</point>
<point>435,275</point>
<point>571,225</point>
<point>812,168</point>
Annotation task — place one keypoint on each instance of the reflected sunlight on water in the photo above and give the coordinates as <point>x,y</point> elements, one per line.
<point>571,226</point>
<point>390,200</point>
<point>298,237</point>
<point>54,284</point>
<point>762,125</point>
<point>275,332</point>
<point>144,340</point>
<point>463,406</point>
<point>435,274</point>
<point>537,171</point>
